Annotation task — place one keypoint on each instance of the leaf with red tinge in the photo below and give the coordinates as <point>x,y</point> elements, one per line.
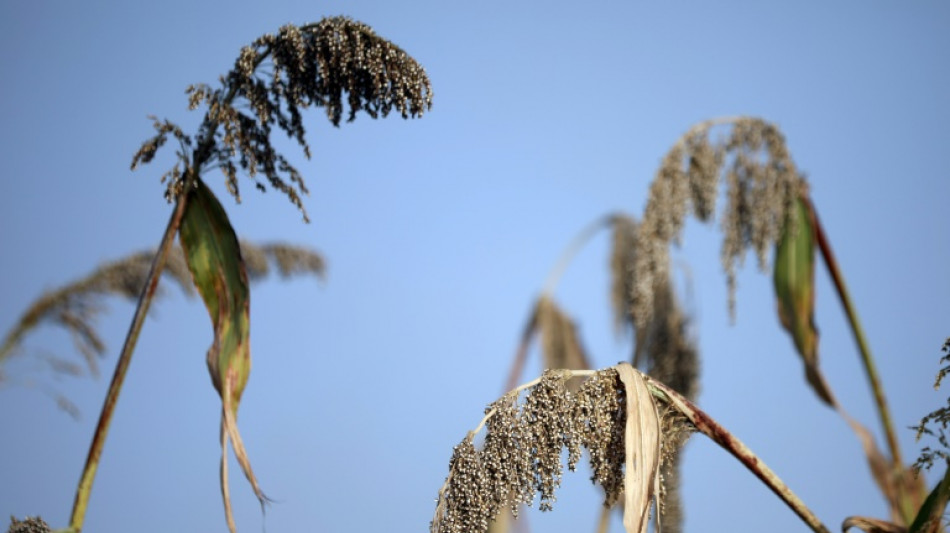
<point>794,278</point>
<point>214,259</point>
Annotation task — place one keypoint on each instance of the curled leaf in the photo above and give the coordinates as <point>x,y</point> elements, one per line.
<point>214,258</point>
<point>871,525</point>
<point>642,450</point>
<point>794,278</point>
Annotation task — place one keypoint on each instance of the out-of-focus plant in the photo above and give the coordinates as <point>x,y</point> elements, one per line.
<point>274,78</point>
<point>76,306</point>
<point>632,418</point>
<point>767,207</point>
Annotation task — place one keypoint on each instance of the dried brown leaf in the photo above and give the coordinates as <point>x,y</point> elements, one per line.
<point>642,448</point>
<point>871,525</point>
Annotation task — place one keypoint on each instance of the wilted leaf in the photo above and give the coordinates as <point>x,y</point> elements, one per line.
<point>794,278</point>
<point>929,516</point>
<point>642,450</point>
<point>214,258</point>
<point>871,525</point>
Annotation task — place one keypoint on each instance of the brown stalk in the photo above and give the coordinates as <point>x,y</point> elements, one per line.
<point>84,490</point>
<point>200,156</point>
<point>909,490</point>
<point>729,442</point>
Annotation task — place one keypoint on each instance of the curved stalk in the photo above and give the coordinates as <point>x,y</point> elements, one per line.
<point>910,490</point>
<point>200,156</point>
<point>866,359</point>
<point>721,436</point>
<point>572,249</point>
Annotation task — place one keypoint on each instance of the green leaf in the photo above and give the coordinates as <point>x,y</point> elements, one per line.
<point>794,278</point>
<point>929,517</point>
<point>214,258</point>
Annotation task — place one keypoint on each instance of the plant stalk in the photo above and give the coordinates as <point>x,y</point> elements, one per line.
<point>909,490</point>
<point>572,250</point>
<point>866,359</point>
<point>200,156</point>
<point>721,436</point>
<point>84,490</point>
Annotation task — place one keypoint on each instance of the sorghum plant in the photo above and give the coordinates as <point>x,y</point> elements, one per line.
<point>274,78</point>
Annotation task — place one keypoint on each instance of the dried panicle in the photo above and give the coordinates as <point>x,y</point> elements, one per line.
<point>77,305</point>
<point>506,454</point>
<point>676,429</point>
<point>290,260</point>
<point>761,181</point>
<point>560,345</point>
<point>521,454</point>
<point>599,419</point>
<point>468,501</point>
<point>671,354</point>
<point>935,424</point>
<point>622,258</point>
<point>310,65</point>
<point>546,418</point>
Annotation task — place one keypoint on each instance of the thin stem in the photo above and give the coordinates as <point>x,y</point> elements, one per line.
<point>869,367</point>
<point>909,491</point>
<point>720,435</point>
<point>517,365</point>
<point>572,249</point>
<point>201,156</point>
<point>84,489</point>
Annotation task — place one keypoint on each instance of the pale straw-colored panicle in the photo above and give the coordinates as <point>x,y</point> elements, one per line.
<point>760,182</point>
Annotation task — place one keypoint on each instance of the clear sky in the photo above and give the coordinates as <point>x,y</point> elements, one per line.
<point>439,232</point>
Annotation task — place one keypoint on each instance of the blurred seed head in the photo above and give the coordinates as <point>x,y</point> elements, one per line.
<point>76,306</point>
<point>560,345</point>
<point>760,181</point>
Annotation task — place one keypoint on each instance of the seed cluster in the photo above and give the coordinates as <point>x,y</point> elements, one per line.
<point>521,454</point>
<point>935,424</point>
<point>32,524</point>
<point>77,305</point>
<point>275,78</point>
<point>761,182</point>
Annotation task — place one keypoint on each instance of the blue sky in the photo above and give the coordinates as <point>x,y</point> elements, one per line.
<point>439,232</point>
